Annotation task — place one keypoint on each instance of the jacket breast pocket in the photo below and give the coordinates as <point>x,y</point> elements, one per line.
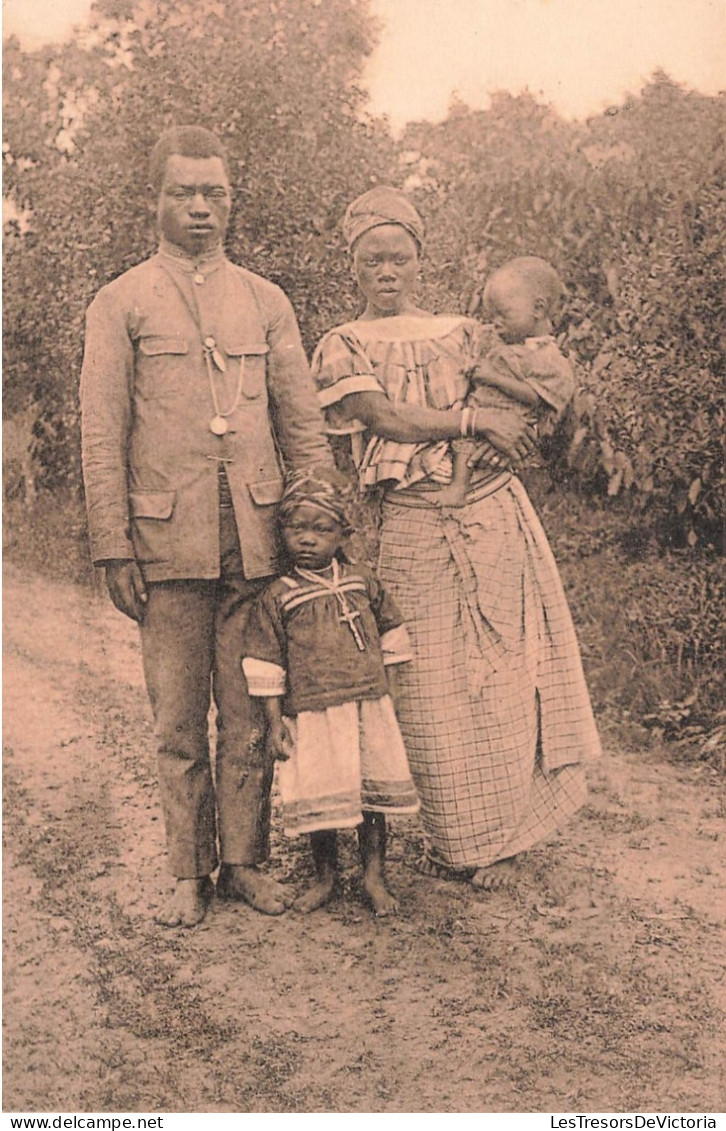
<point>252,359</point>
<point>160,366</point>
<point>151,514</point>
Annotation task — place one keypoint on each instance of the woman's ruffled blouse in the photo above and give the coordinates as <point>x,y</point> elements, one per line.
<point>424,361</point>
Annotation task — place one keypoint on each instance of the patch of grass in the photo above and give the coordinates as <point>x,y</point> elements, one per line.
<point>49,537</point>
<point>649,621</point>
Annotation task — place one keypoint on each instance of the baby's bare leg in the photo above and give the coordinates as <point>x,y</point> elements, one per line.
<point>324,847</point>
<point>454,494</point>
<point>372,843</point>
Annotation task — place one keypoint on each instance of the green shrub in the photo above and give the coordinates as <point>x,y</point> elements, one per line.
<point>279,82</point>
<point>630,207</point>
<point>649,619</point>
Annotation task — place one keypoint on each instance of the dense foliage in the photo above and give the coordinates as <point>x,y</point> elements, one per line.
<point>278,80</point>
<point>630,206</point>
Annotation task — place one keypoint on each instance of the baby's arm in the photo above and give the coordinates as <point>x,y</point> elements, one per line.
<point>496,382</point>
<point>504,377</point>
<point>534,373</point>
<point>548,373</point>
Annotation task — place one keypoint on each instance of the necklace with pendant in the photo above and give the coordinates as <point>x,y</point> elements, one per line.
<point>214,361</point>
<point>347,614</point>
<point>219,424</point>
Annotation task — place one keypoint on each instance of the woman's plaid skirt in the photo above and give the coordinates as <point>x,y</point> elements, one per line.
<point>494,709</point>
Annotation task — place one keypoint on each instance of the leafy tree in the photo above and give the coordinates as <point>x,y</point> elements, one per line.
<point>630,207</point>
<point>278,80</point>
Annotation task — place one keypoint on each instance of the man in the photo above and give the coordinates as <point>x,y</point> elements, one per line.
<point>195,393</point>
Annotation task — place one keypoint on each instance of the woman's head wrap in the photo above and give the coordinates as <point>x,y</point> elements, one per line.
<point>313,489</point>
<point>381,205</point>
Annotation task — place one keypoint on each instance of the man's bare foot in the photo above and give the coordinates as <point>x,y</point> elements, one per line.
<point>380,898</point>
<point>245,883</point>
<point>451,496</point>
<point>187,905</point>
<point>317,895</point>
<point>495,876</point>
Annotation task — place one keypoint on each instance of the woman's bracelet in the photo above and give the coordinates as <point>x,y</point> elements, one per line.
<point>467,424</point>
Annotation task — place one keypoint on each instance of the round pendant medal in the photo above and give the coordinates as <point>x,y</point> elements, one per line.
<point>218,425</point>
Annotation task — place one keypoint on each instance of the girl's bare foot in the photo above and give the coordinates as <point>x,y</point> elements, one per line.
<point>187,905</point>
<point>372,843</point>
<point>495,876</point>
<point>381,899</point>
<point>317,895</point>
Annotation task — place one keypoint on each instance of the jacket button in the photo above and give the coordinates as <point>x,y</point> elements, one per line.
<point>199,279</point>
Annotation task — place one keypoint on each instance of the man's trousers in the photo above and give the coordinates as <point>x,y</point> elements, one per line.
<point>192,643</point>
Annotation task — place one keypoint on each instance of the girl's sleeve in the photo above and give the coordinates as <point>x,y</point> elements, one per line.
<point>395,641</point>
<point>264,654</point>
<point>340,367</point>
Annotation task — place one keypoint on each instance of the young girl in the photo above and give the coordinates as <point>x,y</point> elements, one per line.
<point>322,643</point>
<point>524,370</point>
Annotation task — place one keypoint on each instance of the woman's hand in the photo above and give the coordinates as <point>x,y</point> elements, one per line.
<point>511,436</point>
<point>487,456</point>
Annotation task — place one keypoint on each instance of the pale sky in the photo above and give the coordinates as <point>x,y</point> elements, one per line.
<point>581,55</point>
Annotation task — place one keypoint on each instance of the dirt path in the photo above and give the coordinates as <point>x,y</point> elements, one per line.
<point>596,986</point>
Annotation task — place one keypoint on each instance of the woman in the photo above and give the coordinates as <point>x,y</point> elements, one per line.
<point>494,710</point>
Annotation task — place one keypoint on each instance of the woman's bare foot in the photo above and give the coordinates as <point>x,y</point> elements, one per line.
<point>380,898</point>
<point>245,883</point>
<point>317,895</point>
<point>436,871</point>
<point>187,905</point>
<point>495,876</point>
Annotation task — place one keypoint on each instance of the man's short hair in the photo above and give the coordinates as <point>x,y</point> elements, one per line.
<point>186,141</point>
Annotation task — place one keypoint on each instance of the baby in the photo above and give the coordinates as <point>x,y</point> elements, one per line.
<point>322,643</point>
<point>526,374</point>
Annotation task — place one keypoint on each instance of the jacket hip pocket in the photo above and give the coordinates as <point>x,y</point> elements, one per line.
<point>266,492</point>
<point>151,514</point>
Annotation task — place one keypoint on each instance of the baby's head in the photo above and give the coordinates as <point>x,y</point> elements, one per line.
<point>312,519</point>
<point>522,297</point>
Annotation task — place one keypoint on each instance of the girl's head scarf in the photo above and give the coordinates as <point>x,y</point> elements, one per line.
<point>308,488</point>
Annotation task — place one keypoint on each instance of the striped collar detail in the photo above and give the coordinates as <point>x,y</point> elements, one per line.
<point>338,587</point>
<point>307,593</point>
